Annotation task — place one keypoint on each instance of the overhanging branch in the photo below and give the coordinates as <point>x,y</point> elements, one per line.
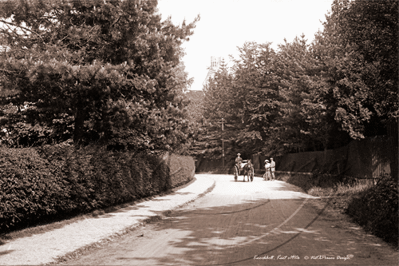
<point>21,27</point>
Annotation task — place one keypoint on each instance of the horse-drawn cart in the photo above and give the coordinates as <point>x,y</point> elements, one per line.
<point>248,170</point>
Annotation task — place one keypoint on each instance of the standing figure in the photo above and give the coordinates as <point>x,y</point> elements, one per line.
<point>238,162</point>
<point>272,168</point>
<point>267,175</point>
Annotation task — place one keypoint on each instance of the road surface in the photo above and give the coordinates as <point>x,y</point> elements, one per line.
<point>246,223</point>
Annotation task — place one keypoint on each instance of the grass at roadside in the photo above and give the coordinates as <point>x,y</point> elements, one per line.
<point>343,193</point>
<point>374,207</point>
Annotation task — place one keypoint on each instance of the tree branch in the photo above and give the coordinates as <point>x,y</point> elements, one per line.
<point>21,27</point>
<point>7,71</point>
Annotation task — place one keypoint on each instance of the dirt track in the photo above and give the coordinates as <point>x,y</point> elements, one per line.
<point>257,223</point>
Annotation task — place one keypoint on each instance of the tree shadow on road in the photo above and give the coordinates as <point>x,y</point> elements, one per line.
<point>240,232</point>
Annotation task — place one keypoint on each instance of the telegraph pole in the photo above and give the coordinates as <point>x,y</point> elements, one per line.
<point>223,142</point>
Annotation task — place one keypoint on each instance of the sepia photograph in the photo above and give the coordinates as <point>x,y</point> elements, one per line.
<point>199,132</point>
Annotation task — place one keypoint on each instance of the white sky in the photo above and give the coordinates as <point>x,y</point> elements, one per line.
<point>228,24</point>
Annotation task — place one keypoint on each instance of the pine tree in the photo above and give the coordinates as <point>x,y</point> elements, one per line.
<point>113,67</point>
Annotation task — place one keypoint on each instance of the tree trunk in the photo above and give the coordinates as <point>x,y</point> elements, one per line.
<point>325,163</point>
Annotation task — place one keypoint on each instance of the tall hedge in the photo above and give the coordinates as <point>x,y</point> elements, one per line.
<point>376,209</point>
<point>55,181</point>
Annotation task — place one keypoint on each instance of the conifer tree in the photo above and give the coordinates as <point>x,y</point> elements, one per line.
<point>112,66</point>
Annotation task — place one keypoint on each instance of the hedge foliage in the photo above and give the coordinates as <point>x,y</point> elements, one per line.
<point>181,167</point>
<point>377,209</point>
<point>56,181</point>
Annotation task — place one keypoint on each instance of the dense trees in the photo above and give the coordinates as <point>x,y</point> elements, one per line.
<point>107,71</point>
<point>359,46</point>
<point>313,96</point>
<point>111,71</point>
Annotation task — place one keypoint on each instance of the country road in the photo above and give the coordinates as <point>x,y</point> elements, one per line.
<point>246,223</point>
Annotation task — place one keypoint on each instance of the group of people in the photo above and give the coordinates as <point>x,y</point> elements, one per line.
<point>270,167</point>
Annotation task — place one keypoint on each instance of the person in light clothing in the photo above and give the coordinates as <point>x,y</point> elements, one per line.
<point>272,168</point>
<point>267,175</point>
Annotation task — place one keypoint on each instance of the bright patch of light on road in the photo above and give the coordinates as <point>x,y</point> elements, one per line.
<point>259,189</point>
